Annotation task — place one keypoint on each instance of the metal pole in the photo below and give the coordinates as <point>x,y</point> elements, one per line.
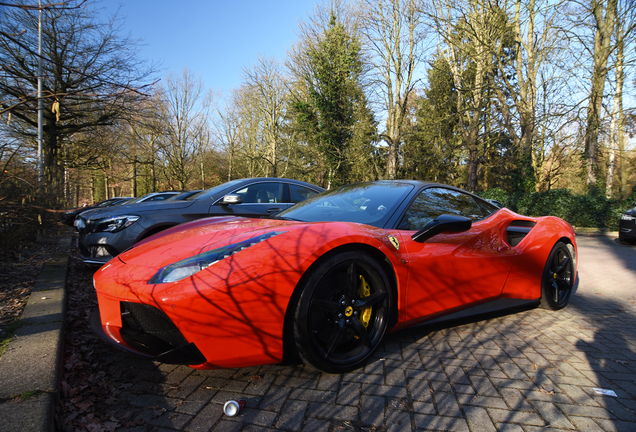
<point>40,103</point>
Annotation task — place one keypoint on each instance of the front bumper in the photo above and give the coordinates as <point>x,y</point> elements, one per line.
<point>627,230</point>
<point>143,341</point>
<point>101,247</point>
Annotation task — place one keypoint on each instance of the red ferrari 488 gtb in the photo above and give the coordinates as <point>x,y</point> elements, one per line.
<point>324,280</point>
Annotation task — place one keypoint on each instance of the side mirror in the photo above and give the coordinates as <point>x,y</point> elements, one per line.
<point>442,223</point>
<point>231,199</point>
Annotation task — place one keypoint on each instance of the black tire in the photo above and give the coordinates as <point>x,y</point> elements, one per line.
<point>557,283</point>
<point>342,313</point>
<point>627,242</point>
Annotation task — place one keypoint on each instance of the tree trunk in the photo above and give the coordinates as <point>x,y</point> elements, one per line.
<point>613,138</point>
<point>134,177</point>
<point>602,50</point>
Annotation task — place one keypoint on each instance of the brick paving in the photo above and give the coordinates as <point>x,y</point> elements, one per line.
<point>527,372</point>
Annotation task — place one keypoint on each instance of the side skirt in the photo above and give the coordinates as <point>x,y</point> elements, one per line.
<point>498,305</point>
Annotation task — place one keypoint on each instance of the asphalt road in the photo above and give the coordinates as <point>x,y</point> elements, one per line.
<point>527,371</point>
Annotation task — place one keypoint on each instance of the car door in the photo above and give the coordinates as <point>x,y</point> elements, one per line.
<point>451,270</point>
<point>257,199</point>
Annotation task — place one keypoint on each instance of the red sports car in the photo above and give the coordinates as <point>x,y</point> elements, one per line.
<point>325,280</point>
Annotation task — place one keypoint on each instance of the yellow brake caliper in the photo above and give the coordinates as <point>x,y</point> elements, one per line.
<point>365,291</point>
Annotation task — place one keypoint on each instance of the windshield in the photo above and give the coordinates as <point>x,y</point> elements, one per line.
<point>213,191</point>
<point>367,203</point>
<point>136,200</point>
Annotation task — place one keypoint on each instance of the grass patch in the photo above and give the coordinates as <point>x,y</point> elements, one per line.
<point>30,394</point>
<point>8,335</point>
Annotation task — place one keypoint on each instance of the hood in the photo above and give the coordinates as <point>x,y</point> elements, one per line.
<point>186,240</point>
<point>126,209</point>
<point>255,245</point>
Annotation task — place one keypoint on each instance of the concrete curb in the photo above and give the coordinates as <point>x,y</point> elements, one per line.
<point>595,232</point>
<point>30,368</point>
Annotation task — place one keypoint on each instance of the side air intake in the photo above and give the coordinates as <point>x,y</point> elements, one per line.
<point>517,230</point>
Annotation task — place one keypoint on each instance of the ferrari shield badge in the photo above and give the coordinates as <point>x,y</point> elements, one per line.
<point>394,241</point>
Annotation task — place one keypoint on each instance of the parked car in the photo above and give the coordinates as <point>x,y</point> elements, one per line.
<point>496,203</point>
<point>154,196</point>
<point>184,195</point>
<point>68,217</point>
<point>324,280</point>
<point>104,234</point>
<point>627,226</point>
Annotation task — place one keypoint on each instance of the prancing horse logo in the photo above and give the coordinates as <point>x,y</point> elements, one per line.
<point>394,241</point>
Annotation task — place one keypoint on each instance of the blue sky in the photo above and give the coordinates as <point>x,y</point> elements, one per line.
<point>215,39</point>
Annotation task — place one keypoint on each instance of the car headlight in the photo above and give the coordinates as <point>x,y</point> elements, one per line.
<point>79,223</point>
<point>114,224</point>
<point>627,217</point>
<point>189,266</point>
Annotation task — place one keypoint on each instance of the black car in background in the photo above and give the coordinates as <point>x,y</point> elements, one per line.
<point>69,216</point>
<point>154,196</point>
<point>105,233</point>
<point>184,195</point>
<point>627,226</point>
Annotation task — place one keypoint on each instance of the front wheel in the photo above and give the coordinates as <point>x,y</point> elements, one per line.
<point>342,313</point>
<point>558,277</point>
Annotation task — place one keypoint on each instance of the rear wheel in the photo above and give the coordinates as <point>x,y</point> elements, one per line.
<point>342,313</point>
<point>558,277</point>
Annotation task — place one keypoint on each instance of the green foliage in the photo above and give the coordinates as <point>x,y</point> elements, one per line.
<point>589,210</point>
<point>335,117</point>
<point>497,194</point>
<point>433,151</point>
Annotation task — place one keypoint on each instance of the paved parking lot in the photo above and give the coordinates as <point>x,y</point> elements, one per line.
<point>523,372</point>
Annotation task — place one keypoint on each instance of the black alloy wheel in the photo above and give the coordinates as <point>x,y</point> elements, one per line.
<point>558,277</point>
<point>342,313</point>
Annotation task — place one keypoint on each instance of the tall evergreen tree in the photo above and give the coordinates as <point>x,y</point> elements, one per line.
<point>334,114</point>
<point>433,151</point>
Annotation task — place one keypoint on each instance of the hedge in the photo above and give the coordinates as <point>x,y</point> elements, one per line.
<point>592,210</point>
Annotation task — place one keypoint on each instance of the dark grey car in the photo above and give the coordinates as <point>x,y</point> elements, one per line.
<point>106,233</point>
<point>627,226</point>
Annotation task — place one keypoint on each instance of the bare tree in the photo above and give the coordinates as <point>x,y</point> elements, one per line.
<point>226,127</point>
<point>145,130</point>
<point>183,108</point>
<point>90,73</point>
<point>624,60</point>
<point>267,87</point>
<point>604,14</point>
<point>471,32</point>
<point>537,47</point>
<point>393,35</point>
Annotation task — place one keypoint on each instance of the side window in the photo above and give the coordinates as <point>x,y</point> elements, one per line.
<point>466,205</point>
<point>433,202</point>
<point>486,208</point>
<point>300,193</point>
<point>261,193</point>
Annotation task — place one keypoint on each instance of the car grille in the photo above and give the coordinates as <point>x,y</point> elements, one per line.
<point>150,328</point>
<point>97,251</point>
